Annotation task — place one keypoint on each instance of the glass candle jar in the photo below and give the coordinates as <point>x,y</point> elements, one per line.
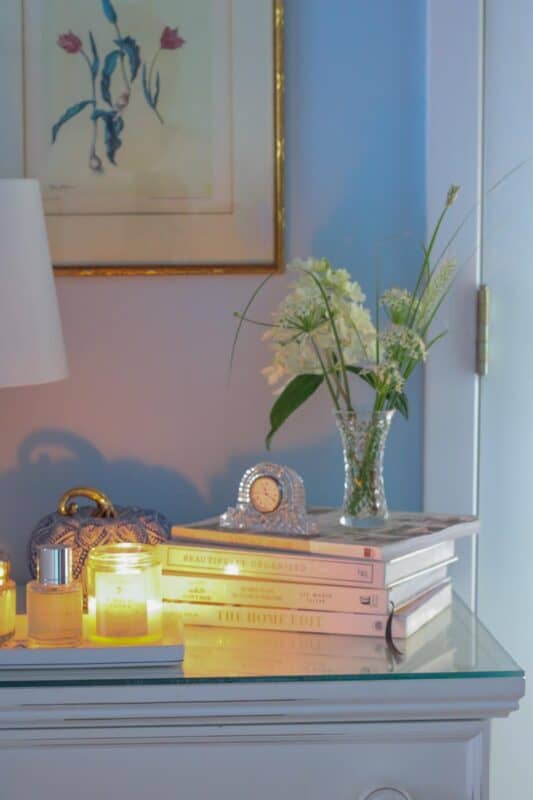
<point>124,594</point>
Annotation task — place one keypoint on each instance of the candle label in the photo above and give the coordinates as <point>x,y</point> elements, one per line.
<point>121,608</point>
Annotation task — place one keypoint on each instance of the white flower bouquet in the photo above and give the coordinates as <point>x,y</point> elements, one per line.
<point>322,335</point>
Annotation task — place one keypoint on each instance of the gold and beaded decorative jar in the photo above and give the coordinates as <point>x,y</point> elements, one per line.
<point>88,527</point>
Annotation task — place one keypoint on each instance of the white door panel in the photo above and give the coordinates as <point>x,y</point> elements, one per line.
<point>505,422</point>
<point>505,588</point>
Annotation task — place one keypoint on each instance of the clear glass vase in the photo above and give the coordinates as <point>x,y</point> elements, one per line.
<point>363,441</point>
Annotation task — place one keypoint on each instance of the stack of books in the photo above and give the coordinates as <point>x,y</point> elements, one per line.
<point>338,581</point>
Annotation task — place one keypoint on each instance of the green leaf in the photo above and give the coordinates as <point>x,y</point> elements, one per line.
<point>157,89</point>
<point>436,339</point>
<point>292,397</point>
<point>109,11</point>
<point>398,401</point>
<point>395,400</point>
<point>113,127</point>
<point>366,375</point>
<point>132,50</point>
<point>95,64</point>
<point>110,64</point>
<point>71,112</point>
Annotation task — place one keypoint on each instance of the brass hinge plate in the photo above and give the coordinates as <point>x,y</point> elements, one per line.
<point>482,330</point>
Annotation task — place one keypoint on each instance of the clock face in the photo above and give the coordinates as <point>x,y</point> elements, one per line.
<point>265,494</point>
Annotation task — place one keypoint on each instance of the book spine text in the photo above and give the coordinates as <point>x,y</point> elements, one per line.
<point>299,569</point>
<point>271,594</point>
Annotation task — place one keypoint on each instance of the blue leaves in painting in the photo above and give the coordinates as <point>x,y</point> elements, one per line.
<point>132,50</point>
<point>113,126</point>
<point>69,113</point>
<point>95,63</point>
<point>110,64</point>
<point>109,11</point>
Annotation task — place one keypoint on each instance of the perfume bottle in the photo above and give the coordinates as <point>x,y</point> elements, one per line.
<point>8,600</point>
<point>54,602</point>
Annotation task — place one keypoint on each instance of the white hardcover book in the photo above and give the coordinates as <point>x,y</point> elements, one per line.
<point>169,652</point>
<point>401,534</point>
<point>407,621</point>
<point>193,557</point>
<point>238,591</point>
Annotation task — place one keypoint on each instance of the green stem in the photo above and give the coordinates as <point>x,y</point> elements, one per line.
<point>95,124</point>
<point>239,326</point>
<point>336,336</point>
<point>151,70</point>
<point>326,376</point>
<point>333,371</point>
<point>253,321</point>
<point>150,73</point>
<point>425,272</point>
<point>123,68</point>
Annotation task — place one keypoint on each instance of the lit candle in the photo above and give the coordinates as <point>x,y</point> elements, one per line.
<point>124,594</point>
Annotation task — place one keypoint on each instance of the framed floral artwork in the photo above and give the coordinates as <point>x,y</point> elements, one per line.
<point>155,130</point>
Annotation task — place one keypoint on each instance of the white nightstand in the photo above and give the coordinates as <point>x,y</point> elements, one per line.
<point>305,726</point>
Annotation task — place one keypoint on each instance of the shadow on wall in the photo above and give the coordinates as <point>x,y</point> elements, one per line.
<point>52,461</point>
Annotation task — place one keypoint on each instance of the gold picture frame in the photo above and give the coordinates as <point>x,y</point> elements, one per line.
<point>274,265</point>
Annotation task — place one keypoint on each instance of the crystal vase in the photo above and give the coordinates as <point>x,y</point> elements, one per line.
<point>363,441</point>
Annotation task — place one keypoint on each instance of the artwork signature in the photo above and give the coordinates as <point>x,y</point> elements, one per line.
<point>111,82</point>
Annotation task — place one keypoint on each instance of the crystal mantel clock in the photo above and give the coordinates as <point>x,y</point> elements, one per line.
<point>272,499</point>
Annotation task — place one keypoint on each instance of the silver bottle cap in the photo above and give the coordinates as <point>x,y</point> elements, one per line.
<point>54,565</point>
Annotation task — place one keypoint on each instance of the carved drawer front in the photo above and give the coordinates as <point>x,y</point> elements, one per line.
<point>373,761</point>
<point>386,793</point>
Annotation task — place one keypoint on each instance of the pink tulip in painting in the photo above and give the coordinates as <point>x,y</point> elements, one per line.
<point>70,42</point>
<point>170,39</point>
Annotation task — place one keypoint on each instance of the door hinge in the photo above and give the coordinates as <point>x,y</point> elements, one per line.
<point>482,330</point>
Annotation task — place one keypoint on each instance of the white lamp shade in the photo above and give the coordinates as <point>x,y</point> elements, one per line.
<point>31,340</point>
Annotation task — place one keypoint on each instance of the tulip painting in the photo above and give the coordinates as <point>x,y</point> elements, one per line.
<point>112,78</point>
<point>170,40</point>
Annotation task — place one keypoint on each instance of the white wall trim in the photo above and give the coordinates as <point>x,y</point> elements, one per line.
<point>454,154</point>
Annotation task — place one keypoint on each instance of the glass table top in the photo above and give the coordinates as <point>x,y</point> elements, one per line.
<point>453,645</point>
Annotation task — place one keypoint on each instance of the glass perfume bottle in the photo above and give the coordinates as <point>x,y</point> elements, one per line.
<point>8,600</point>
<point>54,601</point>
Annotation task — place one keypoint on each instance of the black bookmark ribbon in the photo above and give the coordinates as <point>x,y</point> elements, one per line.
<point>396,654</point>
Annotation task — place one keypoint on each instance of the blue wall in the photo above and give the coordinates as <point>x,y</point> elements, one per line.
<point>355,173</point>
<point>147,414</point>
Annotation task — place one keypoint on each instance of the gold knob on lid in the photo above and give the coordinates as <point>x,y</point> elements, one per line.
<point>67,507</point>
